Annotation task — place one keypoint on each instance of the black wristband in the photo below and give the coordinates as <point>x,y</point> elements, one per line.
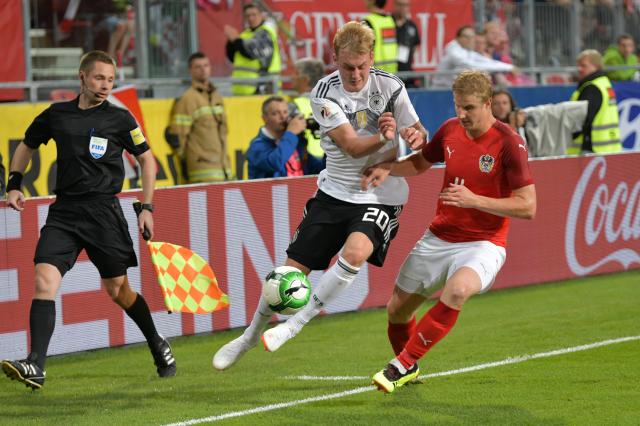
<point>147,207</point>
<point>15,181</point>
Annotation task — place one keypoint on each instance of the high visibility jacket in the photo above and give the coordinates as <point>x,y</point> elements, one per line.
<point>199,121</point>
<point>313,143</point>
<point>385,51</point>
<point>244,67</point>
<point>605,129</point>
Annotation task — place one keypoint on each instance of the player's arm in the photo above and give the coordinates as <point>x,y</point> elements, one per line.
<point>521,204</point>
<point>19,162</point>
<point>415,136</point>
<point>148,167</point>
<point>410,165</point>
<point>359,146</point>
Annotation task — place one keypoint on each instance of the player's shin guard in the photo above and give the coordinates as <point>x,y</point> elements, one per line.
<point>337,279</point>
<point>432,328</point>
<point>42,321</point>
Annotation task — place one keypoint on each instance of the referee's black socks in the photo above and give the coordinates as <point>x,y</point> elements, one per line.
<point>42,320</point>
<point>140,314</point>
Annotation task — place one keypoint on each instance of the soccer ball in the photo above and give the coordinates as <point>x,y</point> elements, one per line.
<point>286,289</point>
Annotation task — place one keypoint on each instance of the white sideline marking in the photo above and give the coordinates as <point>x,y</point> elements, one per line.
<point>507,361</point>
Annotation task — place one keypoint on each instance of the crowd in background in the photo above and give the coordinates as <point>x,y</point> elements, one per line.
<point>289,142</point>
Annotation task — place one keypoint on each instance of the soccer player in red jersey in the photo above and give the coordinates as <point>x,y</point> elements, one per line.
<point>486,181</point>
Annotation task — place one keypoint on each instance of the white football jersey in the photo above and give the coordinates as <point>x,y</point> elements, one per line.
<point>333,106</point>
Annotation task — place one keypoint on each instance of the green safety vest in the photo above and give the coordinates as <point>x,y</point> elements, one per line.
<point>313,144</point>
<point>244,67</point>
<point>605,130</point>
<point>385,51</point>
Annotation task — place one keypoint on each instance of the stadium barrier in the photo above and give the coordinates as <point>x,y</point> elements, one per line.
<point>244,116</point>
<point>588,222</point>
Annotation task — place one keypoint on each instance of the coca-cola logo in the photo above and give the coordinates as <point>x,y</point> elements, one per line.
<point>610,221</point>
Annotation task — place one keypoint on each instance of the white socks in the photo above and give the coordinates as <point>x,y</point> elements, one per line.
<point>261,318</point>
<point>331,284</point>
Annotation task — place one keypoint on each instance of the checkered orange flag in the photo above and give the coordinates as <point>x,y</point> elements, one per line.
<point>187,281</point>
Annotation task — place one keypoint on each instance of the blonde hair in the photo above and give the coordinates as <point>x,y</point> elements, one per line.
<point>89,58</point>
<point>476,83</point>
<point>593,56</point>
<point>355,37</point>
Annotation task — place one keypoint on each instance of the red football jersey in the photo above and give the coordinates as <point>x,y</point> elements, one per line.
<point>491,165</point>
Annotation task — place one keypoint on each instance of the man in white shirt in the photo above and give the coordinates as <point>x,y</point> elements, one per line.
<point>360,110</point>
<point>459,54</point>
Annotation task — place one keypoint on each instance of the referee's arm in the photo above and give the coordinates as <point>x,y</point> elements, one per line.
<point>148,166</point>
<point>19,162</point>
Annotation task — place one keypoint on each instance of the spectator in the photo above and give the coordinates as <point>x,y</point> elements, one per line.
<point>504,109</point>
<point>459,55</point>
<point>123,28</point>
<point>622,54</point>
<point>254,52</point>
<point>480,44</point>
<point>497,42</point>
<point>499,49</point>
<point>408,38</point>
<point>276,151</point>
<point>600,131</point>
<point>385,51</point>
<point>200,125</point>
<point>306,74</point>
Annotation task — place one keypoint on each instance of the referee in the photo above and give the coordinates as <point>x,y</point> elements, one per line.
<point>90,134</point>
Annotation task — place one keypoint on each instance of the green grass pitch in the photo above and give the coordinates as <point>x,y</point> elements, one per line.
<point>599,385</point>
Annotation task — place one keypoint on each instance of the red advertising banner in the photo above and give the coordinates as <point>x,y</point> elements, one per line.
<point>588,222</point>
<point>314,22</point>
<point>12,66</point>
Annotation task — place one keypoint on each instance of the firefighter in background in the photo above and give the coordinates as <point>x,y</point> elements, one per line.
<point>385,51</point>
<point>601,131</point>
<point>254,52</point>
<point>198,127</point>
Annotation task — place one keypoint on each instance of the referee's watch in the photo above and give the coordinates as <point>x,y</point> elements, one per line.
<point>147,207</point>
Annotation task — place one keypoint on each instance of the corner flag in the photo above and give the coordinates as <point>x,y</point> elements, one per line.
<point>187,281</point>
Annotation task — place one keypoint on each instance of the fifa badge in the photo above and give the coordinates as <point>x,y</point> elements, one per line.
<point>97,146</point>
<point>486,163</point>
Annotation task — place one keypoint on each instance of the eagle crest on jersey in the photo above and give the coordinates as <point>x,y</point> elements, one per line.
<point>376,103</point>
<point>486,163</point>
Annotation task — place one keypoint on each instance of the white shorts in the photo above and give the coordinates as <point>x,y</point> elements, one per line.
<point>432,261</point>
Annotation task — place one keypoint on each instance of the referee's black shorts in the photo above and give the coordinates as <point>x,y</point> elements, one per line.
<point>327,223</point>
<point>98,226</point>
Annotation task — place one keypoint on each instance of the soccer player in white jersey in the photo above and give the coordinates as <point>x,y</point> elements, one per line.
<point>360,110</point>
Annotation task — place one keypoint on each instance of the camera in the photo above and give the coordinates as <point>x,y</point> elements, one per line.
<point>312,124</point>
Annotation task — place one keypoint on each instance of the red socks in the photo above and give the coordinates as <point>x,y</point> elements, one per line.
<point>436,324</point>
<point>399,334</point>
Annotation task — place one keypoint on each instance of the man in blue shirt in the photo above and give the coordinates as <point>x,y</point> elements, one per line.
<point>278,149</point>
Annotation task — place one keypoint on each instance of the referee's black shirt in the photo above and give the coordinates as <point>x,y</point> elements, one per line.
<point>89,144</point>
